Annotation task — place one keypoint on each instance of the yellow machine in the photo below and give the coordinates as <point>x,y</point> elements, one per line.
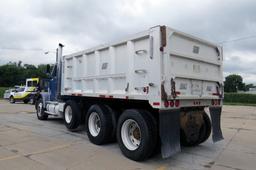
<point>26,93</point>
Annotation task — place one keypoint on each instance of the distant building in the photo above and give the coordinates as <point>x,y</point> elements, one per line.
<point>252,89</point>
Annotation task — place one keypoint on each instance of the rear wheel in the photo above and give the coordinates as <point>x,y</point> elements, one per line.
<point>99,124</point>
<point>26,101</point>
<point>11,99</point>
<point>205,129</point>
<point>137,134</point>
<point>40,112</point>
<point>72,115</point>
<point>195,128</point>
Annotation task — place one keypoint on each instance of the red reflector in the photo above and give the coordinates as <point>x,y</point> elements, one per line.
<point>216,102</point>
<point>177,103</point>
<point>171,103</point>
<point>144,89</point>
<point>213,102</point>
<point>156,103</point>
<point>215,94</point>
<point>177,93</point>
<point>166,104</point>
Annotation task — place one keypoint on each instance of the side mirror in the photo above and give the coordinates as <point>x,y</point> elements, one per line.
<point>48,67</point>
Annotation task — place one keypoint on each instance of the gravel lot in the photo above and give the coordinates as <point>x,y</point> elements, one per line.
<point>27,143</point>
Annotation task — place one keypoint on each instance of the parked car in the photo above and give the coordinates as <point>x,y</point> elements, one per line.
<point>11,91</point>
<point>8,92</point>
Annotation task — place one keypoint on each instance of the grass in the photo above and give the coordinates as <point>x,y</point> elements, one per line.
<point>2,90</point>
<point>239,104</point>
<point>242,99</point>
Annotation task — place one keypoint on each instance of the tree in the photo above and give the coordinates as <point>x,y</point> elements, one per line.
<point>248,86</point>
<point>233,83</point>
<point>15,74</point>
<point>19,63</point>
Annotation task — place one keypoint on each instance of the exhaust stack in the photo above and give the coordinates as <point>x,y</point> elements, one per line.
<point>59,68</point>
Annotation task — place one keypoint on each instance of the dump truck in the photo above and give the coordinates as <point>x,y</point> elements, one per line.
<point>149,91</point>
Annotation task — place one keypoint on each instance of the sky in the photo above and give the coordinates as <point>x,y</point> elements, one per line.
<point>29,28</point>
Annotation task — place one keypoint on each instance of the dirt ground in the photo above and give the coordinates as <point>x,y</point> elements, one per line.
<point>27,143</point>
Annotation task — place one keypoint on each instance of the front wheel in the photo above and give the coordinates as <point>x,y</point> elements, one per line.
<point>12,100</point>
<point>40,111</point>
<point>137,134</point>
<point>26,101</point>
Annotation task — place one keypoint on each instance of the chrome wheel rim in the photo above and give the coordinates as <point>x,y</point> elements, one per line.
<point>94,124</point>
<point>68,114</point>
<point>131,134</point>
<point>39,109</point>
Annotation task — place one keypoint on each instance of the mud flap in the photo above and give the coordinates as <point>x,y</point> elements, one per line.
<point>169,130</point>
<point>215,113</point>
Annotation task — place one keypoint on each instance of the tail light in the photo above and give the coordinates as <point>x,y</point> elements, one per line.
<point>213,103</point>
<point>166,104</point>
<point>171,103</point>
<point>177,103</point>
<point>216,102</point>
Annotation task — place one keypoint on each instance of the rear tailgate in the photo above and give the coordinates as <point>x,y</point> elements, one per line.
<point>193,65</point>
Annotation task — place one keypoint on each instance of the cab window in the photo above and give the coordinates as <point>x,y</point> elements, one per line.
<point>32,83</point>
<point>20,89</point>
<point>29,83</point>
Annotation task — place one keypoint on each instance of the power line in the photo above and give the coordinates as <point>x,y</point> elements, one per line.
<point>238,39</point>
<point>32,49</point>
<point>22,49</point>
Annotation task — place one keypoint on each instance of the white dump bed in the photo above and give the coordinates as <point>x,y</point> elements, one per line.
<point>157,65</point>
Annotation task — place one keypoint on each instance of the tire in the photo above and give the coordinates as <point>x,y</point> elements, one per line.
<point>32,101</point>
<point>99,124</point>
<point>40,111</point>
<point>12,100</point>
<point>114,117</point>
<point>205,129</point>
<point>36,103</point>
<point>26,101</point>
<point>204,133</point>
<point>72,115</point>
<point>139,144</point>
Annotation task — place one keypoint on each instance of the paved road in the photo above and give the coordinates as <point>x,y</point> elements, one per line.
<point>27,143</point>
